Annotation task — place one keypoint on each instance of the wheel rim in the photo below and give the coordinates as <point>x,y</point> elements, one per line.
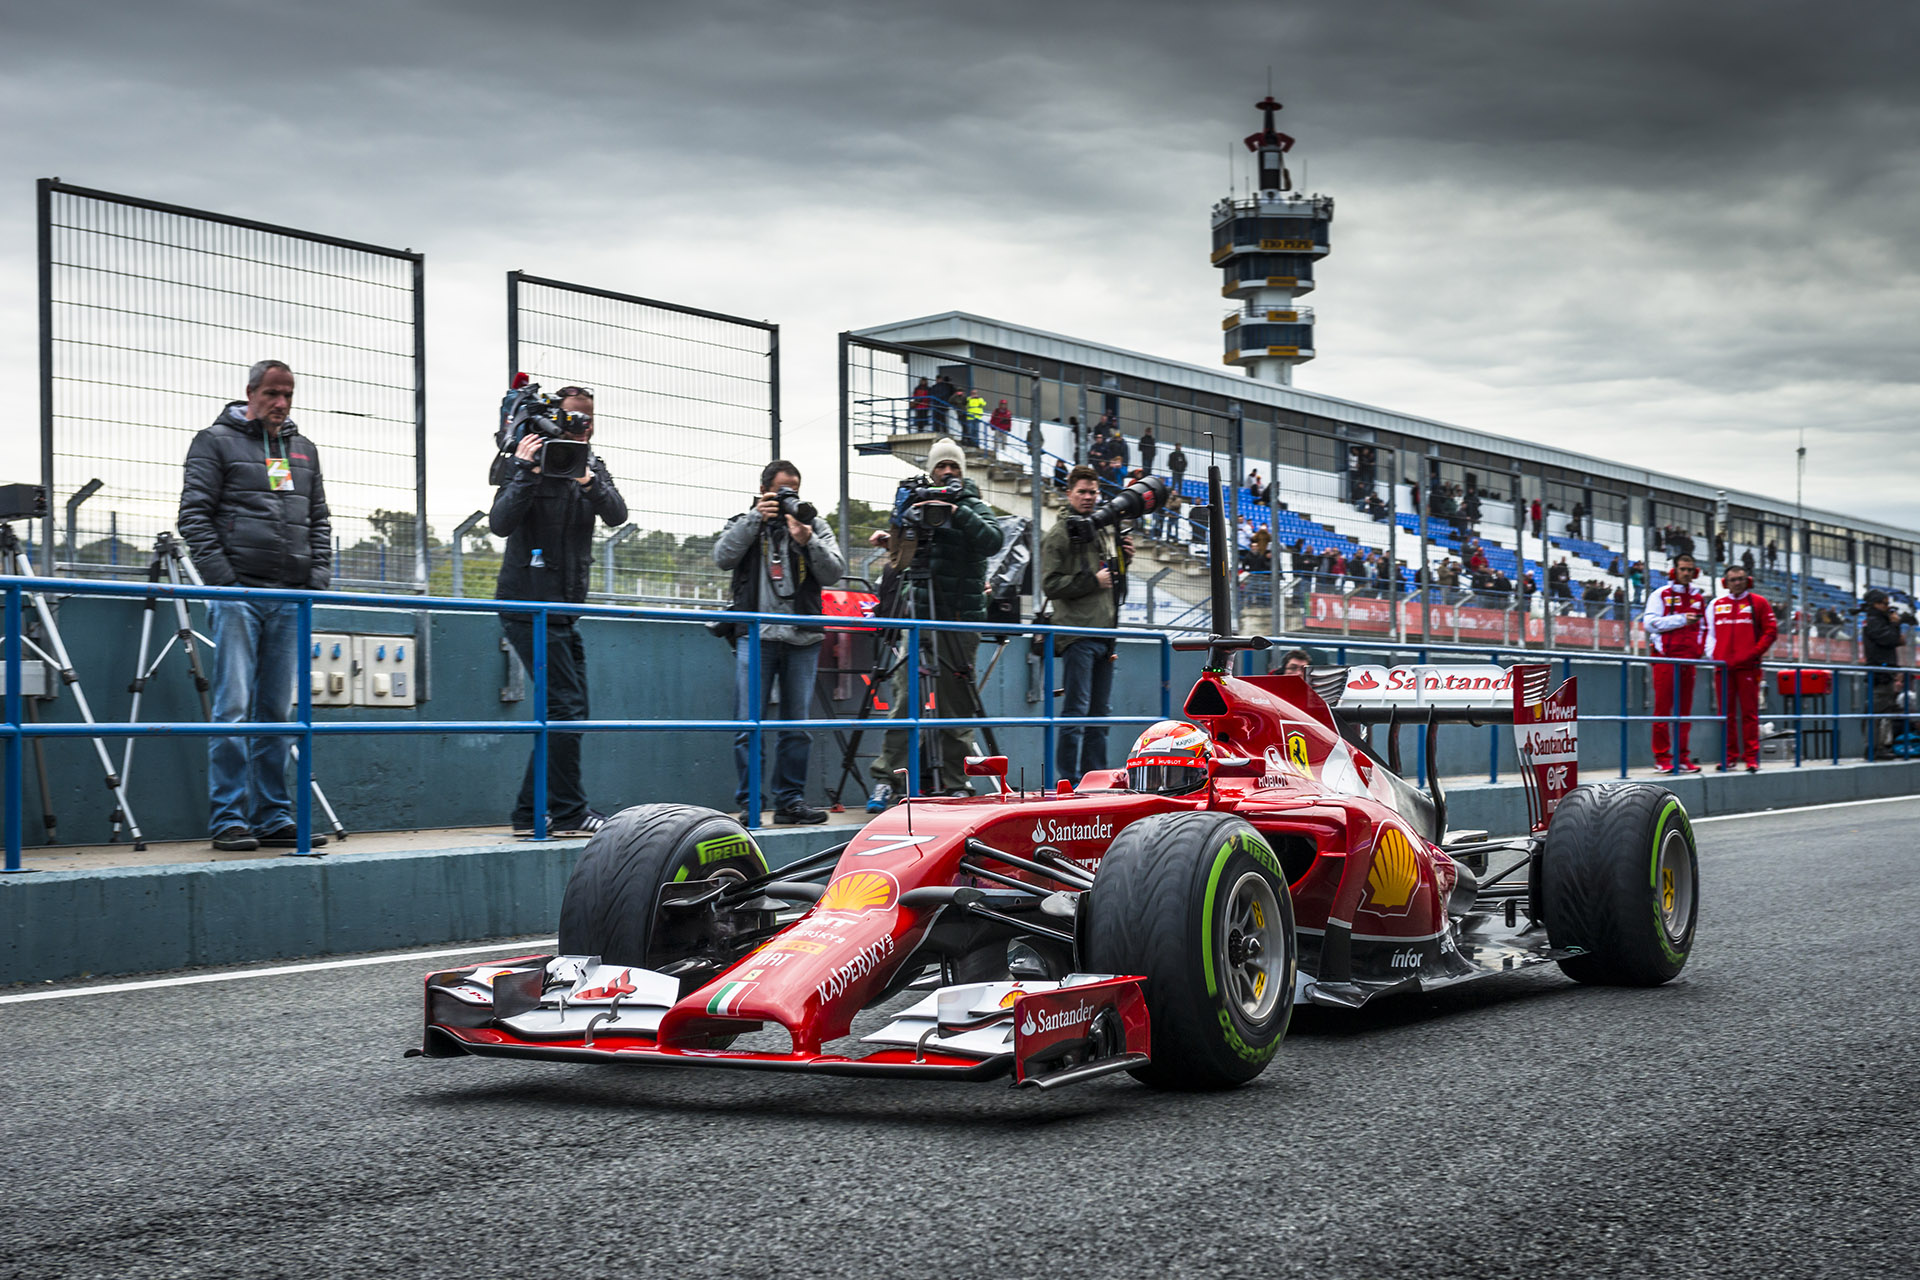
<point>1252,952</point>
<point>1673,885</point>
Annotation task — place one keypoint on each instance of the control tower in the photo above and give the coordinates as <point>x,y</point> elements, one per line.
<point>1266,245</point>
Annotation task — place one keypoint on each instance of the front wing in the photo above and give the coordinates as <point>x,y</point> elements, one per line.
<point>577,1009</point>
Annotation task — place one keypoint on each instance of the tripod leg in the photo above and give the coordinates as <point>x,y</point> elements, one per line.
<point>48,819</point>
<point>141,672</point>
<point>333,819</point>
<point>68,677</point>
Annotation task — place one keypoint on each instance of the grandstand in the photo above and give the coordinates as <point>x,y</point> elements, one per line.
<point>1306,444</point>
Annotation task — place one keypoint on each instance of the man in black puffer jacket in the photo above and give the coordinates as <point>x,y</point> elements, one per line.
<point>548,524</point>
<point>253,511</point>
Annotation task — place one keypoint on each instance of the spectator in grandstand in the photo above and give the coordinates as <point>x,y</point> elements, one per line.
<point>253,512</point>
<point>1384,576</point>
<point>1060,474</point>
<point>954,589</point>
<point>922,405</point>
<point>1577,520</point>
<point>1261,558</point>
<point>1002,424</point>
<point>1617,609</point>
<point>1366,465</point>
<point>548,524</point>
<point>1166,521</point>
<point>1177,465</point>
<point>1740,630</point>
<point>1085,582</point>
<point>1593,598</point>
<point>1243,541</point>
<point>1528,589</point>
<point>1880,637</point>
<point>1637,580</point>
<point>1104,453</point>
<point>1773,554</point>
<point>1746,561</point>
<point>1675,623</point>
<point>1148,447</point>
<point>1539,519</point>
<point>780,564</point>
<point>1256,487</point>
<point>1375,507</point>
<point>1560,580</point>
<point>943,392</point>
<point>1720,548</point>
<point>1502,590</point>
<point>976,410</point>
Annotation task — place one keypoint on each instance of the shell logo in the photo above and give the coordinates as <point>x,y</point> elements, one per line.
<point>1395,872</point>
<point>861,891</point>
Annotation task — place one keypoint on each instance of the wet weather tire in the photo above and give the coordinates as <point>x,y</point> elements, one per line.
<point>1197,903</point>
<point>1619,878</point>
<point>610,905</point>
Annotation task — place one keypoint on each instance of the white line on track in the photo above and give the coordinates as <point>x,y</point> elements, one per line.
<point>529,947</point>
<point>1801,808</point>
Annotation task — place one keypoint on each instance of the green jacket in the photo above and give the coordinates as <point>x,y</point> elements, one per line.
<point>1067,570</point>
<point>958,563</point>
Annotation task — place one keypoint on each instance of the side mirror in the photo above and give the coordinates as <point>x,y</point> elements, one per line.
<point>986,766</point>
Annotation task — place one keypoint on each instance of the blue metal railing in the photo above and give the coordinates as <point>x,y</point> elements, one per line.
<point>17,731</point>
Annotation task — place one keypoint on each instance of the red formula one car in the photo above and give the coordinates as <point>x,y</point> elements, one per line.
<point>1162,919</point>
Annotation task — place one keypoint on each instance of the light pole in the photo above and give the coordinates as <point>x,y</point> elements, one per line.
<point>1800,536</point>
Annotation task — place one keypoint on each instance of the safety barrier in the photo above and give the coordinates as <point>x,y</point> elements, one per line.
<point>17,730</point>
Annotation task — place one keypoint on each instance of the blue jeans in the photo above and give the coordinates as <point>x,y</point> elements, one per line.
<point>1088,681</point>
<point>254,665</point>
<point>793,665</point>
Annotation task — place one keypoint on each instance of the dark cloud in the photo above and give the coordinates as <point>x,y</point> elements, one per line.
<point>1659,229</point>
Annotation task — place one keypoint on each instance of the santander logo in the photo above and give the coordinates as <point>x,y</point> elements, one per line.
<point>1033,1023</point>
<point>1046,831</point>
<point>1364,681</point>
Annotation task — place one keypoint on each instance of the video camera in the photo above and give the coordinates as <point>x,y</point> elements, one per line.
<point>525,411</point>
<point>1137,498</point>
<point>22,502</point>
<point>910,503</point>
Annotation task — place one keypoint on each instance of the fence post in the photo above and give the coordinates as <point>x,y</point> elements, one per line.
<point>303,780</point>
<point>915,705</point>
<point>1052,730</point>
<point>756,704</point>
<point>15,747</point>
<point>539,674</point>
<point>459,552</point>
<point>1626,673</point>
<point>611,545</point>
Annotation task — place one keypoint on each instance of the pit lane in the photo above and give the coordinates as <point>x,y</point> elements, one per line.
<point>1757,1116</point>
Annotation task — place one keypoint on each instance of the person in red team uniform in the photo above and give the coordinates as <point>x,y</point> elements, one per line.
<point>1740,630</point>
<point>1675,622</point>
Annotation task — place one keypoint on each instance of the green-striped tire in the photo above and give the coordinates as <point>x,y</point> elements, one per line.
<point>610,907</point>
<point>1620,879</point>
<point>1197,903</point>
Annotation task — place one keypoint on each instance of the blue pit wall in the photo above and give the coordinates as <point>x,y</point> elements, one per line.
<point>661,669</point>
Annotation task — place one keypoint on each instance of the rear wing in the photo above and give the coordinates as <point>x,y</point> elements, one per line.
<point>1545,724</point>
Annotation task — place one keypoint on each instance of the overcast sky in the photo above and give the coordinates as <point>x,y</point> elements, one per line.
<point>1669,234</point>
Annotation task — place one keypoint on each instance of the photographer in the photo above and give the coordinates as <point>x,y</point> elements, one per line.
<point>1083,571</point>
<point>1880,636</point>
<point>547,521</point>
<point>945,578</point>
<point>781,553</point>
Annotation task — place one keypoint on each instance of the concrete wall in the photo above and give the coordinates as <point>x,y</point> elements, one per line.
<point>60,925</point>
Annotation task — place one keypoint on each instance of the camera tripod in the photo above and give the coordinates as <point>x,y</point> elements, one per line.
<point>52,650</point>
<point>890,651</point>
<point>170,562</point>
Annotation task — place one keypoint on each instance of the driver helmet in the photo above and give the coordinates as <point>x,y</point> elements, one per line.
<point>1171,758</point>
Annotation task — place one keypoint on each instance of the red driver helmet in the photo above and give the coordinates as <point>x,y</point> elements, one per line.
<point>1171,758</point>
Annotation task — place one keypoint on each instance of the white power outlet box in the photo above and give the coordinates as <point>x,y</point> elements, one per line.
<point>387,671</point>
<point>333,669</point>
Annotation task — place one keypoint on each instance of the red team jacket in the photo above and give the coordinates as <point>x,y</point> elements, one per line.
<point>1740,629</point>
<point>1669,632</point>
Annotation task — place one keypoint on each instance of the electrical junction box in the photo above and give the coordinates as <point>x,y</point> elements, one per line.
<point>387,670</point>
<point>332,668</point>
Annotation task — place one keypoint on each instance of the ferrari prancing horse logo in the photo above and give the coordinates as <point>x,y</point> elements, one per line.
<point>1297,751</point>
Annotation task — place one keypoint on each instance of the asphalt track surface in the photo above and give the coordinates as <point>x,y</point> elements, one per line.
<point>1756,1117</point>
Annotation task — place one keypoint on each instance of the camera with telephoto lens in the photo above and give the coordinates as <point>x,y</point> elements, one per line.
<point>526,411</point>
<point>1137,498</point>
<point>917,503</point>
<point>790,505</point>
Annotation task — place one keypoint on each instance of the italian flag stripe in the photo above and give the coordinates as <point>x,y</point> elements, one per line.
<point>727,997</point>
